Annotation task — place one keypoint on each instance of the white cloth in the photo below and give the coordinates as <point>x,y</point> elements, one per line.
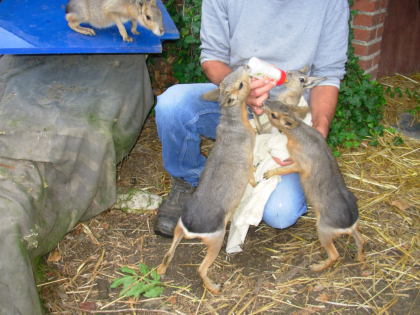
<point>251,207</point>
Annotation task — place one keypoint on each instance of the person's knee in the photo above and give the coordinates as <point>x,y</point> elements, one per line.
<point>170,101</point>
<point>181,103</point>
<point>282,216</point>
<point>286,204</point>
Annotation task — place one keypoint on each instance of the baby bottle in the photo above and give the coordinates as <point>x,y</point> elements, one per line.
<point>264,71</point>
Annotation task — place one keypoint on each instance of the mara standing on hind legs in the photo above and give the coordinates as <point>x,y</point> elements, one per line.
<point>335,206</point>
<point>227,172</point>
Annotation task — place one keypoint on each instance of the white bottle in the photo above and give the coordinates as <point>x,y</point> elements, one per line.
<point>264,71</point>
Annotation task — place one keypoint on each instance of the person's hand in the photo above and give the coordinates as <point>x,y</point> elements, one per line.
<point>259,93</point>
<point>284,163</point>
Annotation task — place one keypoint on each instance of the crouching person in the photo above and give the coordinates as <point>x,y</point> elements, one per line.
<point>228,41</point>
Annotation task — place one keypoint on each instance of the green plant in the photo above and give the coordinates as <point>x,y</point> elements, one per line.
<point>187,18</point>
<point>415,111</point>
<point>135,284</point>
<point>360,104</point>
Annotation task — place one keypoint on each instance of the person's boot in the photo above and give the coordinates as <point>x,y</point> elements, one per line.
<point>169,211</point>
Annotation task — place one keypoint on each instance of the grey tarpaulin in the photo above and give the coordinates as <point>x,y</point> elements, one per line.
<point>65,122</point>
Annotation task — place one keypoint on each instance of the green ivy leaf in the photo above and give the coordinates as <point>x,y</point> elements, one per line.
<point>348,144</point>
<point>191,39</point>
<point>398,141</point>
<point>143,269</point>
<point>350,136</point>
<point>125,269</point>
<point>154,292</point>
<point>125,281</point>
<point>137,289</point>
<point>155,275</point>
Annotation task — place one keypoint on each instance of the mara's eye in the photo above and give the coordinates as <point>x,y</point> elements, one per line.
<point>302,80</point>
<point>148,17</point>
<point>241,86</point>
<point>273,116</point>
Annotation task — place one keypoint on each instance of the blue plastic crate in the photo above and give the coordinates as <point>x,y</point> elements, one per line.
<point>40,27</point>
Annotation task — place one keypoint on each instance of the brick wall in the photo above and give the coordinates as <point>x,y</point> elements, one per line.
<point>368,26</point>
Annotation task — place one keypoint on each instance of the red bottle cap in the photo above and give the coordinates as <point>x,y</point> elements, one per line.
<point>282,77</point>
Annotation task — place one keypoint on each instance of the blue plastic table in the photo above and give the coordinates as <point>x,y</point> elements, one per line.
<point>40,27</point>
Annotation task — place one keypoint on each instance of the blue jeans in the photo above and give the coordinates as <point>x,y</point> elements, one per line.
<point>181,117</point>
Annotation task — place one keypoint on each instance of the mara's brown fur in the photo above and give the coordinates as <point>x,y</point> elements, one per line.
<point>104,13</point>
<point>227,172</point>
<point>324,187</point>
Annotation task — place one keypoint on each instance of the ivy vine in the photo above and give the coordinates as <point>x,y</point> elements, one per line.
<point>187,18</point>
<point>360,104</point>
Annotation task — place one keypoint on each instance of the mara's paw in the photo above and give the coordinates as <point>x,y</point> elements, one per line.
<point>268,174</point>
<point>90,32</point>
<point>215,288</point>
<point>322,265</point>
<point>161,270</point>
<point>359,257</point>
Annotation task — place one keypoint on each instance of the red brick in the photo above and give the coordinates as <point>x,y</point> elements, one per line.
<point>373,73</point>
<point>373,48</point>
<point>380,31</point>
<point>376,59</point>
<point>366,50</point>
<point>384,4</point>
<point>366,5</point>
<point>367,20</point>
<point>383,16</point>
<point>364,35</point>
<point>365,64</point>
<point>360,50</point>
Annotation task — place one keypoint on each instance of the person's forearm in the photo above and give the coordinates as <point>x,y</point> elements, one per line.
<point>216,70</point>
<point>323,102</point>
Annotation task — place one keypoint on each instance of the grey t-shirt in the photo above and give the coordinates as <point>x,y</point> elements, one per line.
<point>287,33</point>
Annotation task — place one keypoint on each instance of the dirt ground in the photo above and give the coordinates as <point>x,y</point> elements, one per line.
<point>271,275</point>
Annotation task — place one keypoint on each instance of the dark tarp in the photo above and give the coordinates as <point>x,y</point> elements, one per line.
<point>65,122</point>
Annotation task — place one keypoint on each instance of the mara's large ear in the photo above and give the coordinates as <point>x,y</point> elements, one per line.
<point>228,100</point>
<point>153,2</point>
<point>212,95</point>
<point>301,111</point>
<point>312,82</point>
<point>145,4</point>
<point>288,122</point>
<point>305,69</point>
<point>268,103</point>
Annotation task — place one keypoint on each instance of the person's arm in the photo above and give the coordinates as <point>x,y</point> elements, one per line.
<point>215,71</point>
<point>323,102</point>
<point>329,62</point>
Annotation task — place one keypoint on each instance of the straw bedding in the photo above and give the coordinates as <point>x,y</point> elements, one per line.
<point>272,274</point>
